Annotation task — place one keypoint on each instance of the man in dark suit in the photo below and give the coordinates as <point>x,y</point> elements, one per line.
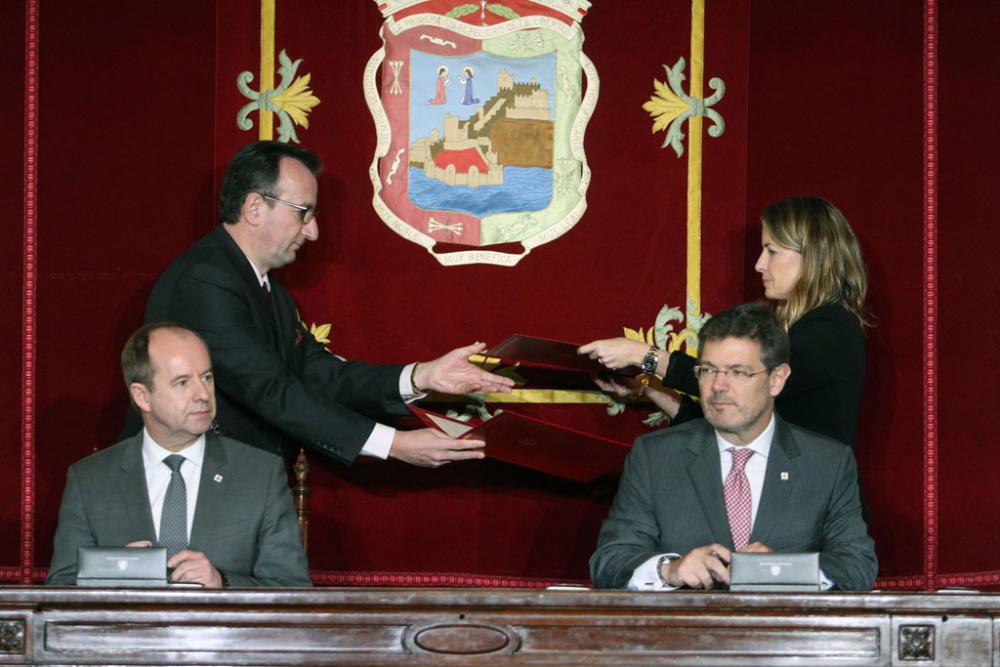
<point>226,505</point>
<point>742,479</point>
<point>278,389</point>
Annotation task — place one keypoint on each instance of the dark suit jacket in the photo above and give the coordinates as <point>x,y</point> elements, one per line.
<point>244,522</point>
<point>276,387</point>
<point>670,500</point>
<point>823,393</point>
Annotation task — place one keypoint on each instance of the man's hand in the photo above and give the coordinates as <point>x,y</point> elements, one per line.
<point>194,567</point>
<point>139,544</point>
<point>699,568</point>
<point>431,448</point>
<point>453,374</point>
<point>756,548</point>
<point>615,353</point>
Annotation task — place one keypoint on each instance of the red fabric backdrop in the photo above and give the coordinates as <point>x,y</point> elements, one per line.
<point>969,355</point>
<point>126,154</point>
<point>137,118</point>
<point>813,129</point>
<point>388,300</point>
<point>11,267</point>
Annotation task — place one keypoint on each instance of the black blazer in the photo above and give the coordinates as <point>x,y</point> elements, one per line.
<point>670,500</point>
<point>276,387</point>
<point>823,393</point>
<point>244,521</point>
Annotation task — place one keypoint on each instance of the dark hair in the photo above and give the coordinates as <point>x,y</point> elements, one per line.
<point>754,321</point>
<point>255,168</point>
<point>136,366</point>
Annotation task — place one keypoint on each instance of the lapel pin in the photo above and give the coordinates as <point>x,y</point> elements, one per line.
<point>784,476</point>
<point>218,478</point>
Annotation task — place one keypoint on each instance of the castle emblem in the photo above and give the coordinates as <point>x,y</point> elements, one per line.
<point>479,157</point>
<point>515,122</point>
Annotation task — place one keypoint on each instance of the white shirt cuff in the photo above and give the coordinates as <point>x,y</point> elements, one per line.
<point>406,391</point>
<point>646,578</point>
<point>379,442</point>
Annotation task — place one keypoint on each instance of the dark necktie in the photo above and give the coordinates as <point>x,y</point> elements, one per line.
<point>173,520</point>
<point>265,287</point>
<point>738,501</point>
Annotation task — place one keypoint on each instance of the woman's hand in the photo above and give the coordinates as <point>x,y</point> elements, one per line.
<point>615,353</point>
<point>667,400</point>
<point>619,388</point>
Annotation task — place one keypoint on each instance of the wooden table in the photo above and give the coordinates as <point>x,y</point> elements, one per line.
<point>493,626</point>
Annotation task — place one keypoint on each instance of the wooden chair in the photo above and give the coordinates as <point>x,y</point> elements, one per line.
<point>300,492</point>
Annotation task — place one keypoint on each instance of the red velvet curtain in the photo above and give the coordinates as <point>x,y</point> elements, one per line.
<point>136,119</point>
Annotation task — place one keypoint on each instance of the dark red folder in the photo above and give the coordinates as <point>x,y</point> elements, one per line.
<point>537,444</point>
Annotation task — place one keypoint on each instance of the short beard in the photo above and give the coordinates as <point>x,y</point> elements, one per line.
<point>742,428</point>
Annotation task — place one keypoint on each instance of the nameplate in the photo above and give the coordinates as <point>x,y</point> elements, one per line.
<point>112,567</point>
<point>774,572</point>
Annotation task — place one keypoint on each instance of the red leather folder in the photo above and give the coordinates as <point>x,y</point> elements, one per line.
<point>553,354</point>
<point>537,444</point>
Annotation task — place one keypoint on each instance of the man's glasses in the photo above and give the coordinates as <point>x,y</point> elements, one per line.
<point>735,374</point>
<point>306,213</point>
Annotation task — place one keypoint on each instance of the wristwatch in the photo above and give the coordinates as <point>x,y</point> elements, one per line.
<point>660,562</point>
<point>649,362</point>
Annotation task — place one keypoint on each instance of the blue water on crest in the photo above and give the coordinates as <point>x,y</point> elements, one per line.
<point>524,189</point>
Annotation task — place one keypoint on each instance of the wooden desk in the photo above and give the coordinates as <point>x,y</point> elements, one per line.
<point>488,626</point>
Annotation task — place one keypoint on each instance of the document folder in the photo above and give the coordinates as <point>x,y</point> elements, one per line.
<point>537,444</point>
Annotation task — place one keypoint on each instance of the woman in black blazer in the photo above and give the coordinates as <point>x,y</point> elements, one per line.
<point>812,271</point>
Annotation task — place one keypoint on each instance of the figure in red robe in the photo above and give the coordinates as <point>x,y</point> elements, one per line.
<point>442,81</point>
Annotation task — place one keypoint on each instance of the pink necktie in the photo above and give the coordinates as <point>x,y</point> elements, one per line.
<point>738,501</point>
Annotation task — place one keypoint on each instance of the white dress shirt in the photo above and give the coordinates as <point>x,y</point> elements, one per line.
<point>158,475</point>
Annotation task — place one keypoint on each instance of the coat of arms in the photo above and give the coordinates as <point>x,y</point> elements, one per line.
<point>480,116</point>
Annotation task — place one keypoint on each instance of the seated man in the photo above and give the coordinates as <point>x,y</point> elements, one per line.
<point>742,479</point>
<point>222,508</point>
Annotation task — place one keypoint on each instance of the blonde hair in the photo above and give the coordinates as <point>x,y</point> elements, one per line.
<point>832,268</point>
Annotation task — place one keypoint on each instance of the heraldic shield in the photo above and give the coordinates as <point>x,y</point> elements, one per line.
<point>480,157</point>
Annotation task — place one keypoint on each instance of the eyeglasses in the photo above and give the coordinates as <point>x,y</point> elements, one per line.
<point>306,213</point>
<point>734,374</point>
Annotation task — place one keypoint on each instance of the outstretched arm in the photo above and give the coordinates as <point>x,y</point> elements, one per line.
<point>431,448</point>
<point>618,353</point>
<point>453,374</point>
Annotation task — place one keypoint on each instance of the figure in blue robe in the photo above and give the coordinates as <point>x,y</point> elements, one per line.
<point>467,80</point>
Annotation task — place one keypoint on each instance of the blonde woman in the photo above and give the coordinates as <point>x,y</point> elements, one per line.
<point>813,273</point>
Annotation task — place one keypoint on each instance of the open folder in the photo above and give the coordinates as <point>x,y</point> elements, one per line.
<point>537,444</point>
<point>551,354</point>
